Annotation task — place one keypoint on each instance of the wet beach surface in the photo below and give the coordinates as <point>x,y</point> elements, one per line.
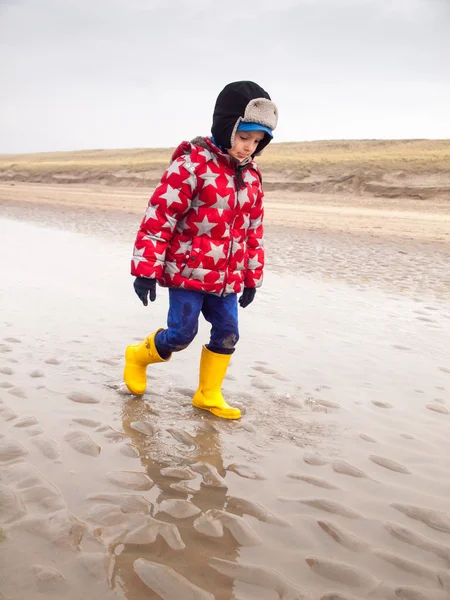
<point>335,483</point>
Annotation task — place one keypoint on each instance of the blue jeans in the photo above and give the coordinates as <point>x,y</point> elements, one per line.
<point>182,321</point>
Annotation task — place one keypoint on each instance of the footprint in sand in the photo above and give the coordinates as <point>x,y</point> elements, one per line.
<point>144,427</point>
<point>6,371</point>
<point>37,374</point>
<point>26,422</point>
<point>380,404</point>
<point>18,392</point>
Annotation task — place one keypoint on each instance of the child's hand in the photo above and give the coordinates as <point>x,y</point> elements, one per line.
<point>145,287</point>
<point>247,297</point>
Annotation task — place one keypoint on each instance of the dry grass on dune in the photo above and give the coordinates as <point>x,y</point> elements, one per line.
<point>409,155</point>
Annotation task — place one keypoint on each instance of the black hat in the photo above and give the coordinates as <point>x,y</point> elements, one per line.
<point>242,101</point>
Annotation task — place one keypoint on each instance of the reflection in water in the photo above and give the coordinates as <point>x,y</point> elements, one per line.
<point>200,460</point>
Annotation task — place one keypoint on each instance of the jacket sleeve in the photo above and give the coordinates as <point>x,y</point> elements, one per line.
<point>255,244</point>
<point>169,203</point>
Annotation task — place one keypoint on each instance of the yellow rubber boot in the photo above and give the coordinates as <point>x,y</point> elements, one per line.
<point>136,360</point>
<point>213,368</point>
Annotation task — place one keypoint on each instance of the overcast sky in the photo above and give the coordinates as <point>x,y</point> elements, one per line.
<point>78,74</point>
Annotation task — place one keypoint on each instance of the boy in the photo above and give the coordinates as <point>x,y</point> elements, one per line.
<point>201,237</point>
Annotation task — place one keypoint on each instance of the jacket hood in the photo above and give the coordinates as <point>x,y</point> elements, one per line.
<point>242,101</point>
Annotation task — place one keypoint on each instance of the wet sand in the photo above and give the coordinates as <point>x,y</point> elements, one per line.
<point>335,483</point>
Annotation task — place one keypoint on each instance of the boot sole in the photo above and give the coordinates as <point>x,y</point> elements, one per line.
<point>216,412</point>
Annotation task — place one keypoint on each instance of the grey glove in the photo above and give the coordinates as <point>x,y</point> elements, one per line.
<point>145,287</point>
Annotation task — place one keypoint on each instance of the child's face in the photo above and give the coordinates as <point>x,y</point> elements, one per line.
<point>245,144</point>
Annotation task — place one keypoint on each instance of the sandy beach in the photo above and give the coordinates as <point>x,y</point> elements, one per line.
<point>335,483</point>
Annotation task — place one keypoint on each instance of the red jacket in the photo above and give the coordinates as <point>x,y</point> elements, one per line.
<point>199,232</point>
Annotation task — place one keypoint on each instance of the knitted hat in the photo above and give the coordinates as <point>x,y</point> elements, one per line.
<point>243,102</point>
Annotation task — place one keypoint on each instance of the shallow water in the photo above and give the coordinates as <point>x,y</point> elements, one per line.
<point>335,481</point>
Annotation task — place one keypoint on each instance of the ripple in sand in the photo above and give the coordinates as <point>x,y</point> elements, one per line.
<point>48,579</point>
<point>438,408</point>
<point>167,583</point>
<point>128,503</point>
<point>414,539</point>
<point>247,471</point>
<point>87,422</point>
<point>213,521</point>
<point>183,437</point>
<point>63,529</point>
<point>11,507</point>
<point>344,468</point>
<point>367,438</point>
<point>179,509</point>
<point>52,361</point>
<point>95,563</point>
<point>408,566</point>
<point>132,480</point>
<point>19,392</point>
<point>259,576</point>
<point>7,413</point>
<point>210,475</point>
<point>330,506</point>
<point>254,509</point>
<point>11,449</point>
<point>81,442</point>
<point>415,593</point>
<point>317,481</point>
<point>26,422</point>
<point>144,427</point>
<point>387,463</point>
<point>433,518</point>
<point>380,404</point>
<point>48,447</point>
<point>6,385</point>
<point>177,473</point>
<point>444,369</point>
<point>37,374</point>
<point>260,384</point>
<point>343,573</point>
<point>343,537</point>
<point>83,398</point>
<point>106,514</point>
<point>129,450</point>
<point>315,460</point>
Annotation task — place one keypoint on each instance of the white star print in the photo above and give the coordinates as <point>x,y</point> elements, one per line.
<point>191,180</point>
<point>205,226</point>
<point>222,201</point>
<point>230,180</point>
<point>171,269</point>
<point>243,197</point>
<point>199,274</point>
<point>206,154</point>
<point>138,256</point>
<point>159,258</point>
<point>249,177</point>
<point>209,178</point>
<point>216,252</point>
<point>152,239</point>
<point>254,264</point>
<point>256,223</point>
<point>240,266</point>
<point>246,221</point>
<point>174,168</point>
<point>171,195</point>
<point>184,247</point>
<point>150,213</point>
